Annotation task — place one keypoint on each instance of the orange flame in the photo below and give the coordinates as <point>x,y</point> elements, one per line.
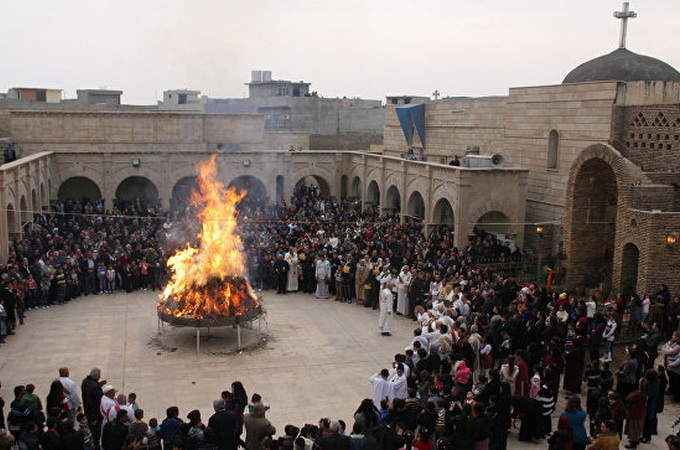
<point>209,281</point>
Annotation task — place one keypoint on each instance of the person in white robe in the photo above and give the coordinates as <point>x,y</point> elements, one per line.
<point>399,384</point>
<point>386,310</point>
<point>292,259</point>
<point>382,387</point>
<point>323,275</point>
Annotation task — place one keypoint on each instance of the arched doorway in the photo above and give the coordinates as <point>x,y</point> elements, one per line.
<point>78,188</point>
<point>256,190</point>
<point>35,207</point>
<point>416,206</point>
<point>373,194</point>
<point>344,186</point>
<point>629,269</point>
<point>494,222</point>
<point>443,213</point>
<point>12,228</point>
<point>592,226</point>
<point>279,189</point>
<point>392,200</point>
<point>25,213</point>
<point>355,191</point>
<point>181,193</point>
<point>136,191</point>
<point>316,182</point>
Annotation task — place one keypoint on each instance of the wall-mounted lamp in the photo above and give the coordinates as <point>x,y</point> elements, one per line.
<point>540,230</point>
<point>672,238</point>
<point>136,162</point>
<point>246,162</point>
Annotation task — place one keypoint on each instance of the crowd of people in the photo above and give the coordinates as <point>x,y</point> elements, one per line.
<point>486,352</point>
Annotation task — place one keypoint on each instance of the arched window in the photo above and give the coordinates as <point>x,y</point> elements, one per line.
<point>553,148</point>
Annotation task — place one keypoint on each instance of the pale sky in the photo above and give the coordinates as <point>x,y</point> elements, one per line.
<point>354,48</point>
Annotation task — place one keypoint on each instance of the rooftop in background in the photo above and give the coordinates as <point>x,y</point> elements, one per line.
<point>262,86</point>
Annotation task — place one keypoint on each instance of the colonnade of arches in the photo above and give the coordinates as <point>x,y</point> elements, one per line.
<point>21,207</point>
<point>139,189</point>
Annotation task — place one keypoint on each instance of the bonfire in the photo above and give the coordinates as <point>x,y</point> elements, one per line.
<point>209,281</point>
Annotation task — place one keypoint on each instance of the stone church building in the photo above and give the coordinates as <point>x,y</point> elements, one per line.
<point>588,177</point>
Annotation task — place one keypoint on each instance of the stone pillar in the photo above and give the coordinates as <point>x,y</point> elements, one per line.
<point>4,226</point>
<point>403,198</point>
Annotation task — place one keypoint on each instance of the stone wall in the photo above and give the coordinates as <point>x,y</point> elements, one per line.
<point>114,131</point>
<point>345,141</point>
<point>650,136</point>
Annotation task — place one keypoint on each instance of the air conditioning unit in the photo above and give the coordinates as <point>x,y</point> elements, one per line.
<point>483,161</point>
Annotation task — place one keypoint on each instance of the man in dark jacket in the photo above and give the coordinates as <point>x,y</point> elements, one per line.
<point>50,439</point>
<point>334,440</point>
<point>91,389</point>
<point>224,426</point>
<point>29,438</point>
<point>115,432</point>
<point>281,268</point>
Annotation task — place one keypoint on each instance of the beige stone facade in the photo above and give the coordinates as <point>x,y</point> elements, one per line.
<point>595,165</point>
<point>621,139</point>
<point>115,155</point>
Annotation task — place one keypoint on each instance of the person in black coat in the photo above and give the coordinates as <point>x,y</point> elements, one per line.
<point>91,388</point>
<point>224,426</point>
<point>50,439</point>
<point>334,440</point>
<point>115,432</point>
<point>419,287</point>
<point>70,438</point>
<point>29,438</point>
<point>281,269</point>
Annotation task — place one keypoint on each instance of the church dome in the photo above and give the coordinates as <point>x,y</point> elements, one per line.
<point>622,65</point>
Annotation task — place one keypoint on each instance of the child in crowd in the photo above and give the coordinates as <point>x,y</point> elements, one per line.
<point>132,401</point>
<point>84,430</point>
<point>256,399</point>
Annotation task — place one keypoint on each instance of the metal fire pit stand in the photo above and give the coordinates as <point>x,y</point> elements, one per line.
<point>227,321</point>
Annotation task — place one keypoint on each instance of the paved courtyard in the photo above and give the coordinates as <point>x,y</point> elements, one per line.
<point>311,359</point>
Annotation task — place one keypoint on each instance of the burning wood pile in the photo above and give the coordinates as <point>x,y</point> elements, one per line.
<point>208,285</point>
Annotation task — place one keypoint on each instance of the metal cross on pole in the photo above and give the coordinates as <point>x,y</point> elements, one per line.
<point>436,94</point>
<point>624,16</point>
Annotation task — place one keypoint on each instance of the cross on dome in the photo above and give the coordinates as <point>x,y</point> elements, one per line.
<point>624,15</point>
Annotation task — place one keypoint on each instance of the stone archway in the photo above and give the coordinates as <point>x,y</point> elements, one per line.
<point>136,191</point>
<point>43,199</point>
<point>344,186</point>
<point>355,189</point>
<point>494,222</point>
<point>443,213</point>
<point>416,206</point>
<point>316,181</point>
<point>12,229</point>
<point>181,193</point>
<point>24,213</point>
<point>280,196</point>
<point>593,225</point>
<point>392,200</point>
<point>629,269</point>
<point>35,206</point>
<point>78,188</point>
<point>373,194</point>
<point>255,188</point>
